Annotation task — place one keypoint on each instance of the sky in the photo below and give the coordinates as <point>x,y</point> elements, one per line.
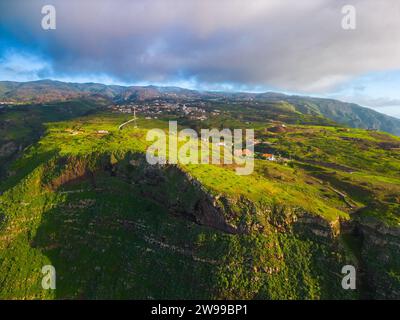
<point>287,46</point>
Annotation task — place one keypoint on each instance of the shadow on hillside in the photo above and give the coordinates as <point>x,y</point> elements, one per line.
<point>105,245</point>
<point>24,167</point>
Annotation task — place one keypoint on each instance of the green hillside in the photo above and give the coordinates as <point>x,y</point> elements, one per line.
<point>115,227</point>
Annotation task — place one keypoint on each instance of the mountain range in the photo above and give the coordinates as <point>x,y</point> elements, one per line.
<point>44,91</point>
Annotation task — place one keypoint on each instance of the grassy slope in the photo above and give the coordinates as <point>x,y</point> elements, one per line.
<point>20,126</point>
<point>128,243</point>
<point>360,163</point>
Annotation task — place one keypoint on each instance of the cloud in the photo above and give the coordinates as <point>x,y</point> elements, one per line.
<point>393,111</point>
<point>382,102</point>
<point>376,103</point>
<point>22,66</point>
<point>292,45</point>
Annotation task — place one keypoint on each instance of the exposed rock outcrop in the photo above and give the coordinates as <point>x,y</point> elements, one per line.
<point>184,196</point>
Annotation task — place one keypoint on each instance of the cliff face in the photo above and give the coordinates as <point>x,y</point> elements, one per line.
<point>266,251</point>
<point>380,256</point>
<point>184,195</point>
<point>378,263</point>
<point>279,230</point>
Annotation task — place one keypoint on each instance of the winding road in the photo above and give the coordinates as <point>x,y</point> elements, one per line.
<point>125,123</point>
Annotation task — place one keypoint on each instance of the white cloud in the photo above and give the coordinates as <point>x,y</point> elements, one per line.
<point>22,66</point>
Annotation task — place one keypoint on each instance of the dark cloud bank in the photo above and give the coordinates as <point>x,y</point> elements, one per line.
<point>293,45</point>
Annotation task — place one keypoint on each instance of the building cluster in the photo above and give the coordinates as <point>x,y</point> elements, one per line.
<point>155,109</point>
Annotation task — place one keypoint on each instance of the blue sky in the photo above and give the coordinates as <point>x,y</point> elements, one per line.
<point>287,46</point>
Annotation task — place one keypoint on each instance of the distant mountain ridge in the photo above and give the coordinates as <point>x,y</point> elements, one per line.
<point>349,114</point>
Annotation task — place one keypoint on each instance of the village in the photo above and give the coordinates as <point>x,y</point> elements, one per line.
<point>260,149</point>
<point>157,108</point>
